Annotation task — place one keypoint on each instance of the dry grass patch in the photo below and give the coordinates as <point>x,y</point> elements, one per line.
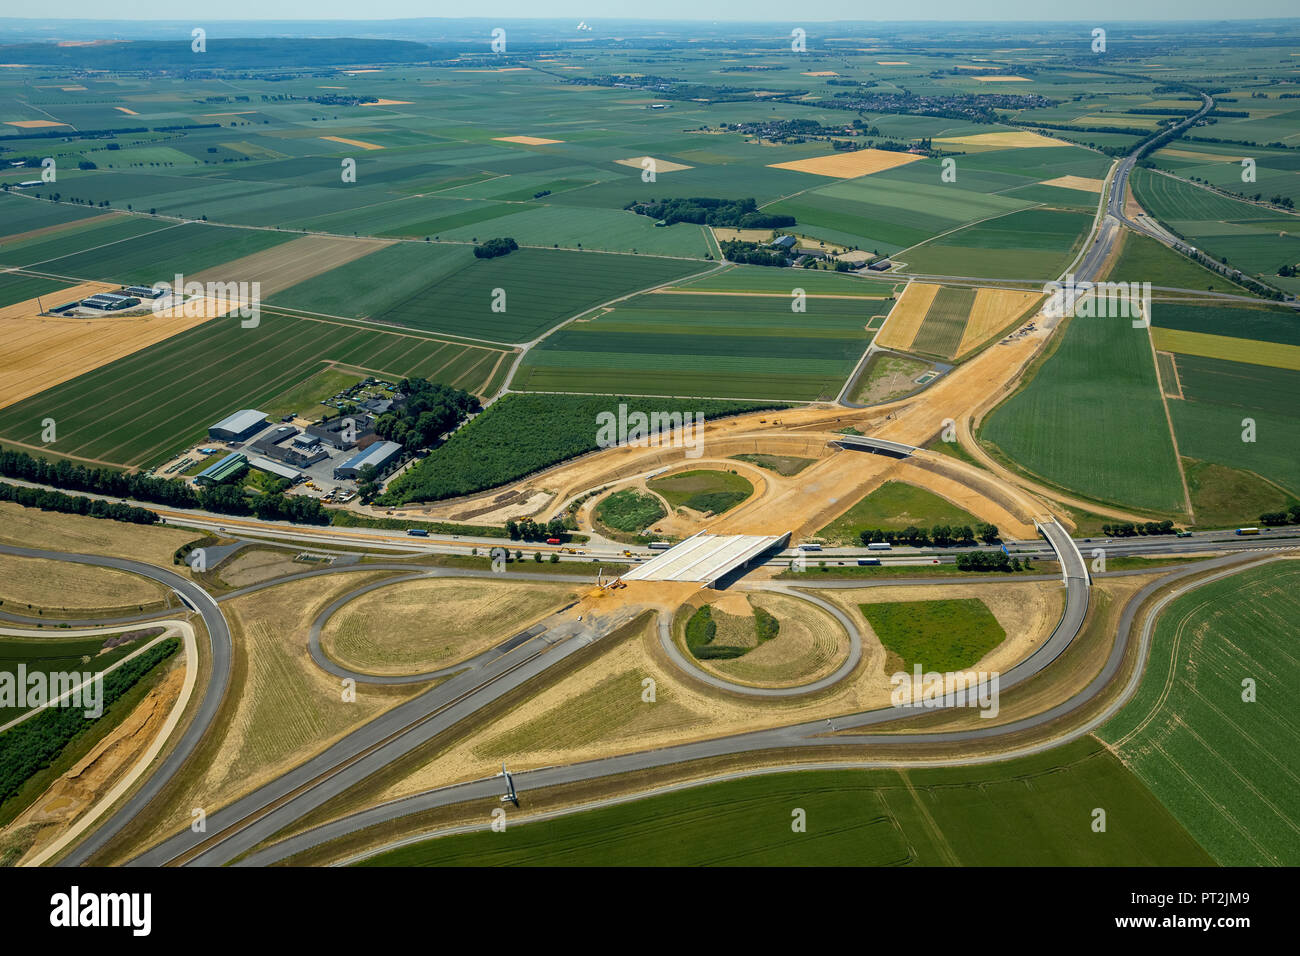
<point>906,316</point>
<point>1012,139</point>
<point>529,140</point>
<point>290,263</point>
<point>660,165</point>
<point>1076,182</point>
<point>33,124</point>
<point>255,565</point>
<point>58,585</point>
<point>808,647</point>
<point>426,624</point>
<point>32,528</point>
<point>850,165</point>
<point>359,144</point>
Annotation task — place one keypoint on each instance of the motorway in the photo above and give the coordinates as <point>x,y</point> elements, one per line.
<point>466,688</point>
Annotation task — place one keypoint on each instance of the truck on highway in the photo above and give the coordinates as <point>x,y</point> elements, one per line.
<point>1182,534</point>
<point>880,546</point>
<point>552,540</point>
<point>1247,531</point>
<point>418,532</point>
<point>810,546</point>
<point>659,545</point>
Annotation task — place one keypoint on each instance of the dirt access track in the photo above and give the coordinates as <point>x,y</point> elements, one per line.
<point>808,501</point>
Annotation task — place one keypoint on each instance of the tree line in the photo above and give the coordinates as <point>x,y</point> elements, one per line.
<point>940,536</point>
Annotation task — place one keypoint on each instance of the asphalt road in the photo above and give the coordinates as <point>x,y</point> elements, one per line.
<point>218,677</point>
<point>811,734</point>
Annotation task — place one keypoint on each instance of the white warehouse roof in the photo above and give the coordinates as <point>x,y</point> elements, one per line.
<point>379,452</point>
<point>241,420</point>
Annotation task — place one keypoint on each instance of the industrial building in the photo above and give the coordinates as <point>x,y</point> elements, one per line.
<point>288,445</point>
<point>242,424</point>
<point>337,434</point>
<point>381,454</point>
<point>226,468</point>
<point>262,463</point>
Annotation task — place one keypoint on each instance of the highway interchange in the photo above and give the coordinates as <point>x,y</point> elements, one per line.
<point>244,832</point>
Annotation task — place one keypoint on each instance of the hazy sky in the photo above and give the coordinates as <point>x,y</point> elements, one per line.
<point>1096,11</point>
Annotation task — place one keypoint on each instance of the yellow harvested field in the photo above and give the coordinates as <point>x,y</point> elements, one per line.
<point>850,165</point>
<point>352,142</point>
<point>33,124</point>
<point>1002,79</point>
<point>123,109</point>
<point>820,73</point>
<point>383,102</point>
<point>993,311</point>
<point>1250,351</point>
<point>41,352</point>
<point>58,585</point>
<point>906,316</point>
<point>1076,182</point>
<point>390,630</point>
<point>1007,140</point>
<point>291,262</point>
<point>527,140</point>
<point>1194,154</point>
<point>33,528</point>
<point>660,165</point>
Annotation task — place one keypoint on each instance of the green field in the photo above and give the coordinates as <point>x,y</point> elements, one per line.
<point>437,288</point>
<point>1142,259</point>
<point>140,409</point>
<point>781,464</point>
<point>895,505</point>
<point>629,511</point>
<point>1264,323</point>
<point>1089,413</point>
<point>1218,398</point>
<point>710,346</point>
<point>943,636</point>
<point>704,490</point>
<point>50,654</point>
<point>973,816</point>
<point>1030,244</point>
<point>1225,768</point>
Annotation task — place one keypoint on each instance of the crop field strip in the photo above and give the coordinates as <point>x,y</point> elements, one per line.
<point>1218,763</point>
<point>1218,396</point>
<point>705,346</point>
<point>136,409</point>
<point>1100,399</point>
<point>945,322</point>
<point>925,817</point>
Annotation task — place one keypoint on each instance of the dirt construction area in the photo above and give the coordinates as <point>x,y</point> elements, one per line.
<point>839,479</point>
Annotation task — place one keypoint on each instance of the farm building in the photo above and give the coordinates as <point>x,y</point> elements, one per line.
<point>216,474</point>
<point>237,427</point>
<point>381,454</point>
<point>143,291</point>
<point>109,301</point>
<point>784,242</point>
<point>881,265</point>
